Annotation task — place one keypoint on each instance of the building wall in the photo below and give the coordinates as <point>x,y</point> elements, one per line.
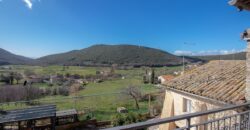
<point>196,106</point>
<point>248,69</point>
<point>161,79</point>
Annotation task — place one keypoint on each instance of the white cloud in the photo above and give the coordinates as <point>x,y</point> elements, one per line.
<point>207,52</point>
<point>28,3</point>
<point>179,52</point>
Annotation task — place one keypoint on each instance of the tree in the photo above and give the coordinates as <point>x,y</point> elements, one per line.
<point>31,92</point>
<point>11,77</point>
<point>67,75</point>
<point>63,69</point>
<point>113,67</point>
<point>63,91</point>
<point>145,79</point>
<point>29,72</point>
<point>135,93</point>
<point>18,77</point>
<point>153,76</point>
<point>5,79</point>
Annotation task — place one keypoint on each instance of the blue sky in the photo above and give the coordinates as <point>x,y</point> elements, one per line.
<point>36,28</point>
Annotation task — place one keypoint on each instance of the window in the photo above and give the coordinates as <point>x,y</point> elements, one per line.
<point>187,105</point>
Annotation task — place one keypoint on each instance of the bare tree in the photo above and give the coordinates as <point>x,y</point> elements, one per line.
<point>153,76</point>
<point>5,79</point>
<point>135,93</point>
<point>31,92</point>
<point>18,77</point>
<point>11,77</point>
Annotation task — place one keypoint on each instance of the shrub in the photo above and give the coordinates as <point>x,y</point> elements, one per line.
<point>63,91</point>
<point>29,72</point>
<point>32,92</point>
<point>76,76</point>
<point>5,79</point>
<point>17,93</point>
<point>129,118</point>
<point>67,75</point>
<point>118,120</point>
<point>48,91</point>
<point>54,91</point>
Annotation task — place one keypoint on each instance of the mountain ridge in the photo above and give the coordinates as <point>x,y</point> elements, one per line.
<point>234,56</point>
<point>106,55</point>
<point>113,54</point>
<point>7,57</point>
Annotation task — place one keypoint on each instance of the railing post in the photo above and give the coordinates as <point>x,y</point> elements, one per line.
<point>188,123</point>
<point>1,126</point>
<point>248,120</point>
<point>240,122</point>
<point>236,121</point>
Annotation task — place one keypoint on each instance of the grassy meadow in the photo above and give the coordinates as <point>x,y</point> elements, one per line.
<point>98,100</point>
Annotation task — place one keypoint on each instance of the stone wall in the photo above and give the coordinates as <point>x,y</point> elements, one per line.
<point>173,106</point>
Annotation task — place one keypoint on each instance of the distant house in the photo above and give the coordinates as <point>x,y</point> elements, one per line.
<point>81,81</point>
<point>6,67</point>
<point>177,73</point>
<point>165,78</point>
<point>53,78</point>
<point>35,79</point>
<point>213,85</point>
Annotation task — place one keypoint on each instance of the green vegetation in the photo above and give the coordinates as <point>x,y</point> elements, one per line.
<point>128,118</point>
<point>98,100</point>
<point>106,55</point>
<point>113,54</point>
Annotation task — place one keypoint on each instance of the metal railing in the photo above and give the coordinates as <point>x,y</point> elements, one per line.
<point>238,121</point>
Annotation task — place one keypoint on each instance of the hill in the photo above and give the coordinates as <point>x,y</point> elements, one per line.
<point>105,55</point>
<point>236,56</point>
<point>10,58</point>
<point>98,55</point>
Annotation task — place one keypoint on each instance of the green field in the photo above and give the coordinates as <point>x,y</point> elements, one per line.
<point>97,99</point>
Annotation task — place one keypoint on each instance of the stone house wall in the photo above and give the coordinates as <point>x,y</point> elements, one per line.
<point>173,106</point>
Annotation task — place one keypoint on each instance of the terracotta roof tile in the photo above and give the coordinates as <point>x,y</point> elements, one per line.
<point>168,77</point>
<point>220,80</point>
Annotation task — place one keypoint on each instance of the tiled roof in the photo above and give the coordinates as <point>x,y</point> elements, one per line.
<point>167,77</point>
<point>219,80</point>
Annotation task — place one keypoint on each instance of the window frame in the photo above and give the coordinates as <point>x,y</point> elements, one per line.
<point>187,105</point>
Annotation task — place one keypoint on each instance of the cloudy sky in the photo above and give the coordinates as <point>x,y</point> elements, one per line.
<point>36,28</point>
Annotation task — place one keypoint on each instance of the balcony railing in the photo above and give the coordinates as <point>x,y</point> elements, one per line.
<point>238,121</point>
